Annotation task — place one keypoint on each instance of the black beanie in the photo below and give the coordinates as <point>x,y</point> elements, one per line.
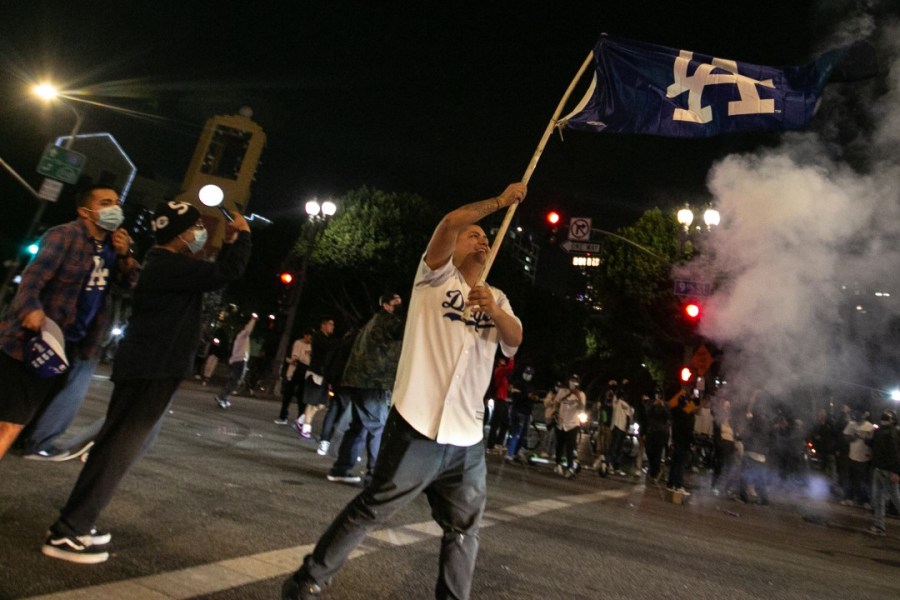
<point>173,218</point>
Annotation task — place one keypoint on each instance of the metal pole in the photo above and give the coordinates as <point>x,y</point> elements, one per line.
<point>294,302</point>
<point>36,220</point>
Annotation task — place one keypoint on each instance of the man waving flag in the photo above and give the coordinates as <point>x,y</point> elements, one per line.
<point>649,89</point>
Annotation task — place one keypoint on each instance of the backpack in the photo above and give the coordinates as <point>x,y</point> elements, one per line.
<point>336,361</point>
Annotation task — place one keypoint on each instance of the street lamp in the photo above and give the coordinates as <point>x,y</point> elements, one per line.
<point>711,217</point>
<point>685,216</point>
<point>318,214</point>
<point>48,92</point>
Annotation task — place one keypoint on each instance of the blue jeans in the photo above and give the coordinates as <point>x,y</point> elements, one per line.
<point>59,413</point>
<point>453,478</point>
<point>882,488</point>
<point>518,431</point>
<point>336,408</point>
<point>369,410</point>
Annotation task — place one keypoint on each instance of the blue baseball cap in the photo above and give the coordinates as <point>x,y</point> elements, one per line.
<point>45,353</point>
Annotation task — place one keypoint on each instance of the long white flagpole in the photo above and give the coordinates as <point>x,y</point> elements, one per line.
<point>501,233</point>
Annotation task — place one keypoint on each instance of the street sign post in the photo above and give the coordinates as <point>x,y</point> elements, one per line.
<point>61,164</point>
<point>692,288</point>
<point>570,246</point>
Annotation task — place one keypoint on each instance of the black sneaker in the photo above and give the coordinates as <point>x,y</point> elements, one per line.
<point>97,537</point>
<point>78,549</point>
<point>300,590</point>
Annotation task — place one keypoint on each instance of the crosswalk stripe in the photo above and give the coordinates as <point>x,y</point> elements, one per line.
<point>234,572</point>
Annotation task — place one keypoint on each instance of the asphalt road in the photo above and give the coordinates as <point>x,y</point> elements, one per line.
<point>226,504</point>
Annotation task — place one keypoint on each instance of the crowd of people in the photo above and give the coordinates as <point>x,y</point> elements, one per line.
<point>745,450</point>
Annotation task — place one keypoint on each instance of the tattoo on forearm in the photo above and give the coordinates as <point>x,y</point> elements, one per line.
<point>482,208</point>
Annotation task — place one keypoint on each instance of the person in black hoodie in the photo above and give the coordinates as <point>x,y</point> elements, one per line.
<point>683,406</point>
<point>153,358</point>
<point>885,469</point>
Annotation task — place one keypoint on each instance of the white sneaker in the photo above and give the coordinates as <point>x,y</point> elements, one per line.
<point>322,450</point>
<point>559,470</point>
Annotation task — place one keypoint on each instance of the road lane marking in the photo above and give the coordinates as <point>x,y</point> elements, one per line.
<point>235,572</point>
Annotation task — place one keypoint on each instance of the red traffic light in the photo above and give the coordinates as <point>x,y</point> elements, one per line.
<point>286,278</point>
<point>692,311</point>
<point>553,217</point>
<point>685,374</point>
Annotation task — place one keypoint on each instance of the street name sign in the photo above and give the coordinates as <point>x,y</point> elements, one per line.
<point>570,246</point>
<point>692,288</point>
<point>61,164</point>
<point>50,189</point>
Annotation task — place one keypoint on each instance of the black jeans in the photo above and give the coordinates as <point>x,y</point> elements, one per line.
<point>132,423</point>
<point>290,389</point>
<point>453,480</point>
<point>656,443</point>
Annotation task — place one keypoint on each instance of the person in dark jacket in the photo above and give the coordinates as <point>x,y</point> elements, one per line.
<point>367,380</point>
<point>522,398</point>
<point>657,435</point>
<point>683,406</point>
<point>156,353</point>
<point>756,438</point>
<point>315,387</point>
<point>885,468</point>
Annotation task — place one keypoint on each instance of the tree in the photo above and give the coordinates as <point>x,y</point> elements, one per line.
<point>640,319</point>
<point>370,246</point>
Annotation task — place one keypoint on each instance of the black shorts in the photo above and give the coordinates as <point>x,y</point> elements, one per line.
<point>23,394</point>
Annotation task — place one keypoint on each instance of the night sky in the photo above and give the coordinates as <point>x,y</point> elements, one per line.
<point>446,100</point>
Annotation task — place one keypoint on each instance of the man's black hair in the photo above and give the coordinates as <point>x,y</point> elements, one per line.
<point>85,194</point>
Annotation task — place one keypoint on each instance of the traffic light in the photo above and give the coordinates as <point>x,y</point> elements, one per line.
<point>685,375</point>
<point>692,312</point>
<point>286,278</point>
<point>553,218</point>
<point>32,249</point>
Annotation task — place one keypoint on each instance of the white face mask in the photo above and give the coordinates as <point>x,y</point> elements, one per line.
<point>196,246</point>
<point>527,376</point>
<point>109,218</point>
<point>573,385</point>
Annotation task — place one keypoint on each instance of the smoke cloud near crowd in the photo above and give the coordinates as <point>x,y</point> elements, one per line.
<point>806,260</point>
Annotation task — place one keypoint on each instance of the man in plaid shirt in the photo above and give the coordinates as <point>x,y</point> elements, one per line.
<point>69,282</point>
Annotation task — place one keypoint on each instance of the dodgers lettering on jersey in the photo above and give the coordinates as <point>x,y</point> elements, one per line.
<point>456,302</point>
<point>649,89</point>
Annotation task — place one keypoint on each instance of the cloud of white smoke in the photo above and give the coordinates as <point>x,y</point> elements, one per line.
<point>807,256</point>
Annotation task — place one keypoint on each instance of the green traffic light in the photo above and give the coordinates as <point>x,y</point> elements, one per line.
<point>32,249</point>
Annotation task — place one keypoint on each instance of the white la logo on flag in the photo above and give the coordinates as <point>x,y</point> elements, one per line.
<point>749,104</point>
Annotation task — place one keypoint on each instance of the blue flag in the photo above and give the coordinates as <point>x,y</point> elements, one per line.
<point>649,89</point>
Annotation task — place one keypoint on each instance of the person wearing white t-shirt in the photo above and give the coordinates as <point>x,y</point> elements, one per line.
<point>858,432</point>
<point>432,441</point>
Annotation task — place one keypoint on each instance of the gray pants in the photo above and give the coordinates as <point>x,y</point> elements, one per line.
<point>453,480</point>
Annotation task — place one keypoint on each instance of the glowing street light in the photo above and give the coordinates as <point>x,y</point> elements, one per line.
<point>49,92</point>
<point>711,217</point>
